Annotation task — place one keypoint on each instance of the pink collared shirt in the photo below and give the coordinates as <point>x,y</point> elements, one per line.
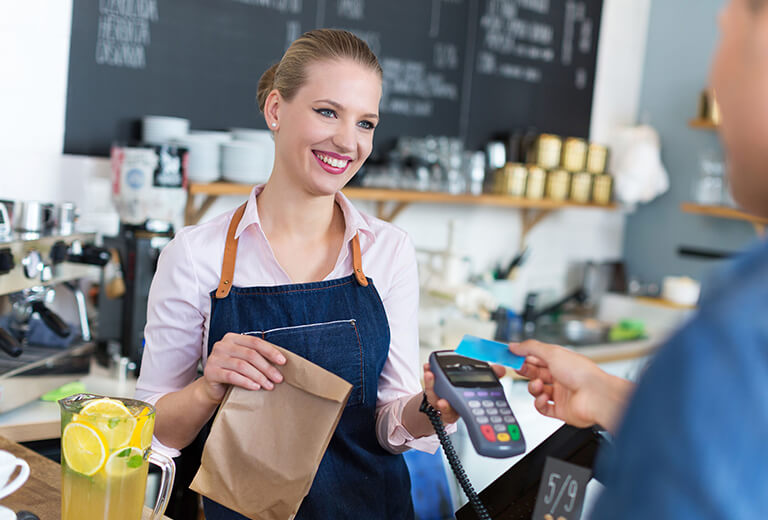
<point>189,268</point>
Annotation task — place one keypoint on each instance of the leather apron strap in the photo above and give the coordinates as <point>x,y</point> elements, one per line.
<point>230,255</point>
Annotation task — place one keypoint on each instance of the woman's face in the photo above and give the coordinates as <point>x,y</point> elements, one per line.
<point>325,132</point>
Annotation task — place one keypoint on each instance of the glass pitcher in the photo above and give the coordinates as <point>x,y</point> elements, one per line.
<point>105,454</point>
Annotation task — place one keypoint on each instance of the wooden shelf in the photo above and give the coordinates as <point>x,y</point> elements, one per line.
<point>759,223</point>
<point>703,124</point>
<point>389,203</point>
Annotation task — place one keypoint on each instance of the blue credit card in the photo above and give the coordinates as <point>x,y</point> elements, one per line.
<point>489,351</point>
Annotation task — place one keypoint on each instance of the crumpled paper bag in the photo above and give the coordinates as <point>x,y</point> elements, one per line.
<point>265,447</point>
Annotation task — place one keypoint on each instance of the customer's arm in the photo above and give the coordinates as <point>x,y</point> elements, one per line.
<point>570,387</point>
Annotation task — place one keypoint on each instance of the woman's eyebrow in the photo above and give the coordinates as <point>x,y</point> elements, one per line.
<point>339,106</point>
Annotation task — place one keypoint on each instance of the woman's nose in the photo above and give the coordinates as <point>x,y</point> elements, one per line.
<point>345,138</point>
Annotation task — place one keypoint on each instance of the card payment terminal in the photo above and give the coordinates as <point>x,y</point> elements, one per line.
<point>476,394</point>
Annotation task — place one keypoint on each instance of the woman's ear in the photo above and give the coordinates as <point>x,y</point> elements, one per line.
<point>272,109</point>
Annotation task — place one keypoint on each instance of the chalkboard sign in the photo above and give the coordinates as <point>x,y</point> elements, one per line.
<point>467,68</point>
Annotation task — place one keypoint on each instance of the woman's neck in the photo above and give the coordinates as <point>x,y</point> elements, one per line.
<point>287,211</point>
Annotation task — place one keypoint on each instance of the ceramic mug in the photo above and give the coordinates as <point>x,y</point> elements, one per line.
<point>8,464</point>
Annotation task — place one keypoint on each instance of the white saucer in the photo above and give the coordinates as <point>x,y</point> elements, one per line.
<point>6,514</point>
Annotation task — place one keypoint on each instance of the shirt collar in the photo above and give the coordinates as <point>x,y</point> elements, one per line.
<point>354,221</point>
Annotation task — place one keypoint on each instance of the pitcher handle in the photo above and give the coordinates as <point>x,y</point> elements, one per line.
<point>168,469</point>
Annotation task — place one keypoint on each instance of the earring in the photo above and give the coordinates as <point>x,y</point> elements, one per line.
<point>274,125</point>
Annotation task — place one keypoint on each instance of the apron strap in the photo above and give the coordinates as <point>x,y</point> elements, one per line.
<point>357,261</point>
<point>230,255</point>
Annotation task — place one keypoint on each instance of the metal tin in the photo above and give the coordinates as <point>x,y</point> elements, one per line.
<point>581,187</point>
<point>510,180</point>
<point>546,151</point>
<point>601,189</point>
<point>597,158</point>
<point>558,184</point>
<point>537,179</point>
<point>574,154</point>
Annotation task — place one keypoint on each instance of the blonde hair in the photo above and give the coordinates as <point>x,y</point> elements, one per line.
<point>290,73</point>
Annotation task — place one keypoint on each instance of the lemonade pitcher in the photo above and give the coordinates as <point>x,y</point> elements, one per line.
<point>105,455</point>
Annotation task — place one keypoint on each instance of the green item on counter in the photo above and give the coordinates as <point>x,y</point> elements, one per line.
<point>627,330</point>
<point>75,387</point>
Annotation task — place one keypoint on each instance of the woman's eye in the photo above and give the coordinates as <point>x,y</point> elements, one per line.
<point>327,112</point>
<point>367,125</point>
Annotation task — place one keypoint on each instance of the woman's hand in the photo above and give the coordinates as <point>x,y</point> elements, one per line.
<point>244,361</point>
<point>447,413</point>
<point>570,387</point>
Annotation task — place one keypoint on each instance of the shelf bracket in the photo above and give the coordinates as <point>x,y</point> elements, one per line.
<point>531,217</point>
<point>394,210</point>
<point>192,214</point>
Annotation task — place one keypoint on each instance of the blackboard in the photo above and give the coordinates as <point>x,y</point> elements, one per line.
<point>467,68</point>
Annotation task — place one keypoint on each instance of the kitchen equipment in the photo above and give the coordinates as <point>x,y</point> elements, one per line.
<point>496,151</point>
<point>597,158</point>
<point>8,464</point>
<point>148,182</point>
<point>558,184</point>
<point>574,154</point>
<point>65,215</point>
<point>681,290</point>
<point>122,319</point>
<point>31,216</point>
<point>204,156</point>
<point>510,180</point>
<point>39,297</point>
<point>105,456</point>
<point>602,189</point>
<point>546,151</point>
<point>5,222</point>
<point>537,180</point>
<point>160,130</point>
<point>581,187</point>
<point>247,161</point>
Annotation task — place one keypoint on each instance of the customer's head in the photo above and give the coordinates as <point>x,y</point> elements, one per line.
<point>321,102</point>
<point>740,80</point>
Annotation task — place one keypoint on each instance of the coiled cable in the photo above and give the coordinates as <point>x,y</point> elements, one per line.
<point>453,459</point>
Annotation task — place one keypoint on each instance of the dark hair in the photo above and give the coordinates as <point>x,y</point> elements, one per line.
<point>289,75</point>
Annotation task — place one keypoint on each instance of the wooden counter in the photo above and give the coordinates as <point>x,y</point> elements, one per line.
<point>41,494</point>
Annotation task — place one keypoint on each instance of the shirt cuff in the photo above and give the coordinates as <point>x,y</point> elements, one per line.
<point>393,435</point>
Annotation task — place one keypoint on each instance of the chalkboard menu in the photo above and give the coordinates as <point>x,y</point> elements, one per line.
<point>467,68</point>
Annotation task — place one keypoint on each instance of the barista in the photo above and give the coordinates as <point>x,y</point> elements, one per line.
<point>299,257</point>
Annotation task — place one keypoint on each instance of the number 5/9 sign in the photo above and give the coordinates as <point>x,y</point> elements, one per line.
<point>561,492</point>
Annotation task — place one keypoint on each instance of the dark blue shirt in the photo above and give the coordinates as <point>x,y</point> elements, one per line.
<point>694,441</point>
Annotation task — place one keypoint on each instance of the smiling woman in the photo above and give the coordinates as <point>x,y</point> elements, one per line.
<point>306,259</point>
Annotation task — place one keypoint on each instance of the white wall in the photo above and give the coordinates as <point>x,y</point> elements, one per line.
<point>34,43</point>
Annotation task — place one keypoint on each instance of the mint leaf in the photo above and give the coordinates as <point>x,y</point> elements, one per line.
<point>124,453</point>
<point>113,421</point>
<point>135,461</point>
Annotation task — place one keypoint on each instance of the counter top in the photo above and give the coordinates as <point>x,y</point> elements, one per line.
<point>41,494</point>
<point>40,420</point>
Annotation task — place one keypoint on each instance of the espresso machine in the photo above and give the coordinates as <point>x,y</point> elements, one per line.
<point>45,337</point>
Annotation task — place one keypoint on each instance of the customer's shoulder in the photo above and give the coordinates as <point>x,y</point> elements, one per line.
<point>741,284</point>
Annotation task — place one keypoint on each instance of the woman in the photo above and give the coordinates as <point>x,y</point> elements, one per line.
<point>302,253</point>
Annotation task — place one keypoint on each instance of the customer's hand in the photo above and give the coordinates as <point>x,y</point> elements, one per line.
<point>447,413</point>
<point>244,361</point>
<point>570,387</point>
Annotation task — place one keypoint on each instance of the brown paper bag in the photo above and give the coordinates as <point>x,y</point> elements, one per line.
<point>265,447</point>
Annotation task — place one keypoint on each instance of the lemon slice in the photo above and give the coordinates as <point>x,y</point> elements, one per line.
<point>112,419</point>
<point>84,448</point>
<point>142,435</point>
<point>123,462</point>
<point>105,407</point>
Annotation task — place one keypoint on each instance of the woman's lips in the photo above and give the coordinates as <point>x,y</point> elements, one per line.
<point>338,165</point>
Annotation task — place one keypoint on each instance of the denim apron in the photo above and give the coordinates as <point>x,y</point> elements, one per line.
<point>341,326</point>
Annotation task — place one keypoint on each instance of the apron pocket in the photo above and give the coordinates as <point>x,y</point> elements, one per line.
<point>334,346</point>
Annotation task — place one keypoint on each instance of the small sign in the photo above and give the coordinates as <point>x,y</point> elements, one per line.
<point>561,492</point>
